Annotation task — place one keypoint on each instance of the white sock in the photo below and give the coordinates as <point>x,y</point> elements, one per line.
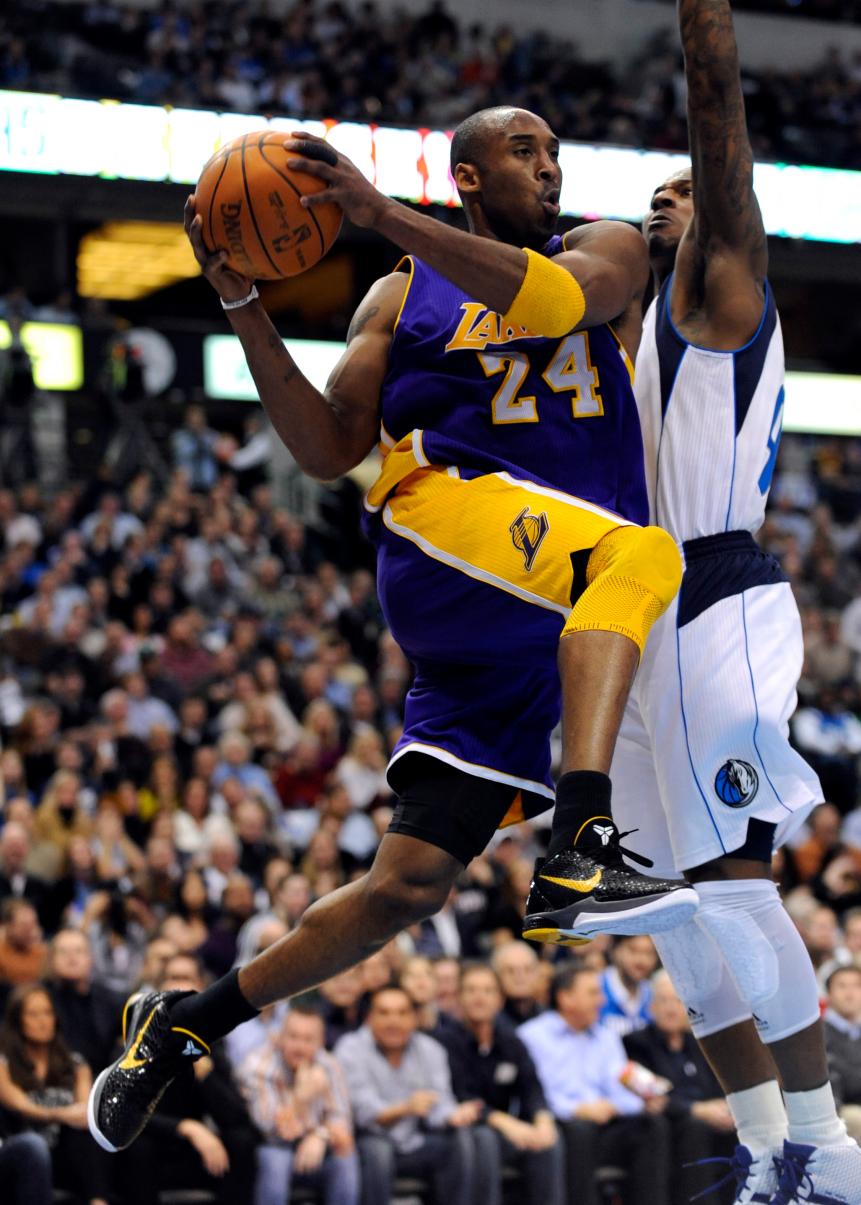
<point>813,1118</point>
<point>759,1116</point>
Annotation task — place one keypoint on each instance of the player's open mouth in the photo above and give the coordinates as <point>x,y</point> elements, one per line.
<point>551,204</point>
<point>659,219</point>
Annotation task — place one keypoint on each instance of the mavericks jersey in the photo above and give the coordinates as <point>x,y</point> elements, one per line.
<point>711,423</point>
<point>488,397</point>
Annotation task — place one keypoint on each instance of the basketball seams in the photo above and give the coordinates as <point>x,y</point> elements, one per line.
<point>261,146</point>
<point>215,188</point>
<point>278,271</point>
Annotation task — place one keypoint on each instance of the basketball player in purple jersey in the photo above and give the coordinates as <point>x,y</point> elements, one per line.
<point>493,368</point>
<point>703,760</point>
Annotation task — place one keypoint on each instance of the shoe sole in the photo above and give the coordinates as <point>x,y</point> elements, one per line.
<point>95,1097</point>
<point>585,921</point>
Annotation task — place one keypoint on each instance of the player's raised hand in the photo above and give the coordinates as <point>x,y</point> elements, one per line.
<point>346,185</point>
<point>229,285</point>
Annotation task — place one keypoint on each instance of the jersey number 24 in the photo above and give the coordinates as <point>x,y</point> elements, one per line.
<point>570,371</point>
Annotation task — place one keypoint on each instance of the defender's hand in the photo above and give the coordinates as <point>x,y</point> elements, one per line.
<point>229,285</point>
<point>360,201</point>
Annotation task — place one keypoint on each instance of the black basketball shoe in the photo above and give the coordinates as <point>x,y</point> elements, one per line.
<point>588,888</point>
<point>125,1095</point>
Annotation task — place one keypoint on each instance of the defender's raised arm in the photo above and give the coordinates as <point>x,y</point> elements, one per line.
<point>726,208</point>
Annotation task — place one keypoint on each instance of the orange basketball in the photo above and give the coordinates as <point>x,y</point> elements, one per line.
<point>248,199</point>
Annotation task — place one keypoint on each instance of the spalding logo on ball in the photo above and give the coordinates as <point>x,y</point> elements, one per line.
<point>248,199</point>
<point>736,783</point>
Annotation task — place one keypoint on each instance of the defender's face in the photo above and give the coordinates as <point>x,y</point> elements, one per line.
<point>519,181</point>
<point>670,211</point>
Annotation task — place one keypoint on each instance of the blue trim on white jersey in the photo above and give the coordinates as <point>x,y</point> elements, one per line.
<point>688,744</point>
<point>748,361</point>
<point>756,707</point>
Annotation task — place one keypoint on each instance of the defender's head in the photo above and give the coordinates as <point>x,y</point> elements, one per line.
<point>670,211</point>
<point>505,163</point>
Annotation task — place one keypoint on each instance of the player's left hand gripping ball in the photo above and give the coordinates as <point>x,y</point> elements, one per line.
<point>345,184</point>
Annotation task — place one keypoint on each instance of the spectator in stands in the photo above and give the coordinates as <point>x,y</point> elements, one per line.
<point>15,880</point>
<point>702,1125</point>
<point>516,964</point>
<point>829,736</point>
<point>44,1086</point>
<point>298,1100</point>
<point>418,978</point>
<point>193,446</point>
<point>489,1063</point>
<point>843,1039</point>
<point>602,1122</point>
<point>201,1135</point>
<point>88,1014</point>
<point>22,950</point>
<point>235,763</point>
<point>117,935</point>
<point>25,1168</point>
<point>407,1118</point>
<point>341,1004</point>
<point>626,985</point>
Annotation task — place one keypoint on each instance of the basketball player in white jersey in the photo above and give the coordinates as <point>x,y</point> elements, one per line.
<point>703,766</point>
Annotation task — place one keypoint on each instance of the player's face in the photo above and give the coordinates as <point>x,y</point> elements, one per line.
<point>520,181</point>
<point>670,211</point>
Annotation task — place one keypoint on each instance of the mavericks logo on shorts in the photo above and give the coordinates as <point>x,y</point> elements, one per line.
<point>528,532</point>
<point>736,783</point>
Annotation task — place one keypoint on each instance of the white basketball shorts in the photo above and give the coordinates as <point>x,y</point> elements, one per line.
<point>704,741</point>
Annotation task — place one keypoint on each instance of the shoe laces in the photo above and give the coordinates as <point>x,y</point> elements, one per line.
<point>739,1168</point>
<point>611,854</point>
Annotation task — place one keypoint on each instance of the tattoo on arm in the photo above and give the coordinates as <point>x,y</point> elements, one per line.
<point>290,373</point>
<point>720,146</point>
<point>360,320</point>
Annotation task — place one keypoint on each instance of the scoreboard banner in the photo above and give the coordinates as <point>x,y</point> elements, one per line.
<point>56,135</point>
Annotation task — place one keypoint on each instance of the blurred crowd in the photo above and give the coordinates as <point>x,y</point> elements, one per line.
<point>198,695</point>
<point>325,58</point>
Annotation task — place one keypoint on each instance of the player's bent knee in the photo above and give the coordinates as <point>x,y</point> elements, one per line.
<point>702,979</point>
<point>633,575</point>
<point>400,900</point>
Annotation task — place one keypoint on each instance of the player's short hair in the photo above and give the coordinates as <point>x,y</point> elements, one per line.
<point>470,137</point>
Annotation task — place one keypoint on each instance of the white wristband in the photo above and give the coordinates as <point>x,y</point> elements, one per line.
<point>235,305</point>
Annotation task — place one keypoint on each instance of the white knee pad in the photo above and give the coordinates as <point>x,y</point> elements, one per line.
<point>701,977</point>
<point>763,952</point>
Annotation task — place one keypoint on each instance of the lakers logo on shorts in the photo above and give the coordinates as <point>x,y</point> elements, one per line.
<point>736,783</point>
<point>527,532</point>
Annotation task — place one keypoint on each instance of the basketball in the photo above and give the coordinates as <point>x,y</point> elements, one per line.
<point>248,199</point>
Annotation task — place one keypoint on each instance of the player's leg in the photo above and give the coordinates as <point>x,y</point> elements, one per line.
<point>409,881</point>
<point>630,577</point>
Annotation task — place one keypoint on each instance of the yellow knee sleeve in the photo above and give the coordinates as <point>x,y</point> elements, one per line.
<point>633,575</point>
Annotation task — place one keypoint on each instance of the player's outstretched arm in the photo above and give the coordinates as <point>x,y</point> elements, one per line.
<point>331,432</point>
<point>724,256</point>
<point>544,295</point>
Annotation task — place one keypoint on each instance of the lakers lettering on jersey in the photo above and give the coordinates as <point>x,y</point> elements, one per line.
<point>485,396</point>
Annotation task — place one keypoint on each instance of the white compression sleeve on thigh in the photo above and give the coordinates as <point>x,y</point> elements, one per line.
<point>764,952</point>
<point>700,976</point>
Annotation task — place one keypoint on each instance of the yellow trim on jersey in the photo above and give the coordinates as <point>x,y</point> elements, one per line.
<point>623,352</point>
<point>406,259</point>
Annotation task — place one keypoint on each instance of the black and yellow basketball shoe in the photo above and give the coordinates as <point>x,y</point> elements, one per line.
<point>588,888</point>
<point>125,1095</point>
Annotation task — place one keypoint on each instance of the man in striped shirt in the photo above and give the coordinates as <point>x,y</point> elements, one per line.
<point>298,1099</point>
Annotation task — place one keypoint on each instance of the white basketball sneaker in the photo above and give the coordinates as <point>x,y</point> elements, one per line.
<point>755,1175</point>
<point>819,1175</point>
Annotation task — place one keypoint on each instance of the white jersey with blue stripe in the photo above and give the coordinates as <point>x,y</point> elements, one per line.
<point>711,423</point>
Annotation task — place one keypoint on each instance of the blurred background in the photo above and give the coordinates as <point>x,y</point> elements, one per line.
<point>198,692</point>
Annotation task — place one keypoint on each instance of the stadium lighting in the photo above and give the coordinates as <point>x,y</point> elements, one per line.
<point>59,135</point>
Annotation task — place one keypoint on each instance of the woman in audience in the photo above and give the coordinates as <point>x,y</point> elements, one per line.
<point>44,1087</point>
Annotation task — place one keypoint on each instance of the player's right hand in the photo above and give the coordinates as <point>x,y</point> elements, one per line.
<point>229,285</point>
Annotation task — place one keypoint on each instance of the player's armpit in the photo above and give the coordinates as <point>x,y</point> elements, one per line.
<point>611,264</point>
<point>353,389</point>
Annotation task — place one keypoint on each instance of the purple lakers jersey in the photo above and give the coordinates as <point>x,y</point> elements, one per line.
<point>490,397</point>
